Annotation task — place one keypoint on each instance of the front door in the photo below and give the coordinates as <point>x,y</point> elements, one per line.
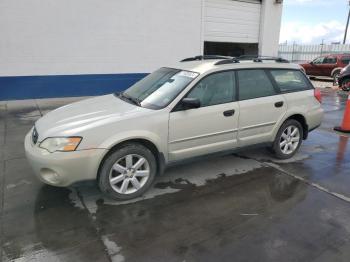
<point>210,128</point>
<point>261,107</point>
<point>315,68</point>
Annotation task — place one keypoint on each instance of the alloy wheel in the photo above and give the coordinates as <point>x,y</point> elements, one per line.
<point>289,140</point>
<point>336,79</point>
<point>129,174</point>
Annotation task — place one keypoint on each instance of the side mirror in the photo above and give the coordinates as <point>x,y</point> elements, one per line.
<point>312,62</point>
<point>190,103</point>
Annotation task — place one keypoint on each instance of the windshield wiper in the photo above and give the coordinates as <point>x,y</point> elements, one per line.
<point>129,98</point>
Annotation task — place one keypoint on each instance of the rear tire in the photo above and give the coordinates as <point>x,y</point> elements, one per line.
<point>335,78</point>
<point>128,172</point>
<point>288,139</point>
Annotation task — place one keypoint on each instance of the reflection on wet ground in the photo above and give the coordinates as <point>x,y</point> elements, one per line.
<point>246,206</point>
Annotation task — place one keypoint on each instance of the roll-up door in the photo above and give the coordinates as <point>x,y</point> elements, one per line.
<point>232,21</point>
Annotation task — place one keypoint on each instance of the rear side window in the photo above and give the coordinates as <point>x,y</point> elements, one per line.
<point>253,84</point>
<point>290,80</point>
<point>346,60</point>
<point>330,60</point>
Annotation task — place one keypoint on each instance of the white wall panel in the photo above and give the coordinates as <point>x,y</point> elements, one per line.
<point>270,25</point>
<point>45,37</point>
<point>231,21</point>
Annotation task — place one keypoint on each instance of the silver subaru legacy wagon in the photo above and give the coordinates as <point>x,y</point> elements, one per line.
<point>199,106</point>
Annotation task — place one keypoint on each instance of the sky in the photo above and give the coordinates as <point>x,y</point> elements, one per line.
<point>310,21</point>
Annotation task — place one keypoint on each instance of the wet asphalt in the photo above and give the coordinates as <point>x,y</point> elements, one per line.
<point>245,206</point>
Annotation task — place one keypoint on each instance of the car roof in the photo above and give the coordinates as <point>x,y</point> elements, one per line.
<point>204,66</point>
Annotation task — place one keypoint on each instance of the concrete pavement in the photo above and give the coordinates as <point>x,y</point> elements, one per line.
<point>246,206</point>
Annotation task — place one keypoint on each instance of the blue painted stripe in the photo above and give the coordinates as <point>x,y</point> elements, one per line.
<point>27,87</point>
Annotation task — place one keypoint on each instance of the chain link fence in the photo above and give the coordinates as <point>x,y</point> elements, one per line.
<point>300,53</point>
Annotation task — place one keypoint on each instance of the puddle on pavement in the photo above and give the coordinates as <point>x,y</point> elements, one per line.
<point>209,212</point>
<point>175,179</point>
<point>63,226</point>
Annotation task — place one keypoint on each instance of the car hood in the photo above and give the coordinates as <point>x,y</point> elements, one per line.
<point>74,118</point>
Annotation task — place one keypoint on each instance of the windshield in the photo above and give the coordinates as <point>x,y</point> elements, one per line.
<point>158,89</point>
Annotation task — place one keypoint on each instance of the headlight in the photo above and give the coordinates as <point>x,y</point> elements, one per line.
<point>63,144</point>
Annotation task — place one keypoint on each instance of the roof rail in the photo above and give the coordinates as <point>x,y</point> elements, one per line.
<point>232,60</point>
<point>224,60</point>
<point>247,57</point>
<point>205,57</point>
<point>260,59</point>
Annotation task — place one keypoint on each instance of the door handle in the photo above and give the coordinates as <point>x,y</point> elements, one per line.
<point>279,104</point>
<point>229,113</point>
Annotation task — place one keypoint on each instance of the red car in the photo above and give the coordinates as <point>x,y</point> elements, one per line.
<point>327,65</point>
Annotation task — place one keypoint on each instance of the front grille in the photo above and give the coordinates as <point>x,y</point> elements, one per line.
<point>35,136</point>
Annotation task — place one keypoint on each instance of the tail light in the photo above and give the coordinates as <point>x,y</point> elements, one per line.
<point>318,95</point>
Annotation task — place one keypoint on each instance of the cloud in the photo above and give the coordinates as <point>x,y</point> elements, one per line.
<point>300,1</point>
<point>313,2</point>
<point>307,33</point>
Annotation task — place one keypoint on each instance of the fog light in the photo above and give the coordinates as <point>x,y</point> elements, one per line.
<point>50,176</point>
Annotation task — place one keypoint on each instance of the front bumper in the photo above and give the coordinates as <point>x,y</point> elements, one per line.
<point>63,168</point>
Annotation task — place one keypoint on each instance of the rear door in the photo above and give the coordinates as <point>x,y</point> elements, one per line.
<point>299,94</point>
<point>261,107</point>
<point>329,63</point>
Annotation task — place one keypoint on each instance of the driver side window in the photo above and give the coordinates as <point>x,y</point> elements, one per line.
<point>318,60</point>
<point>218,88</point>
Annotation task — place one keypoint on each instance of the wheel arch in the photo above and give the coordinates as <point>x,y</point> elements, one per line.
<point>335,70</point>
<point>302,120</point>
<point>160,158</point>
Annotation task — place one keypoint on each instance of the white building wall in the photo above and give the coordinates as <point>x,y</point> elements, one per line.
<point>232,21</point>
<point>270,25</point>
<point>52,37</point>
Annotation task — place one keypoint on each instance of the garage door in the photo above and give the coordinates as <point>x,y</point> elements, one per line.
<point>232,21</point>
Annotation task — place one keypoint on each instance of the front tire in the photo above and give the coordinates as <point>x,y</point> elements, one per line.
<point>128,172</point>
<point>345,84</point>
<point>288,139</point>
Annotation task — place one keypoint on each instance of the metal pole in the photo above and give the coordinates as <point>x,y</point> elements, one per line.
<point>347,26</point>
